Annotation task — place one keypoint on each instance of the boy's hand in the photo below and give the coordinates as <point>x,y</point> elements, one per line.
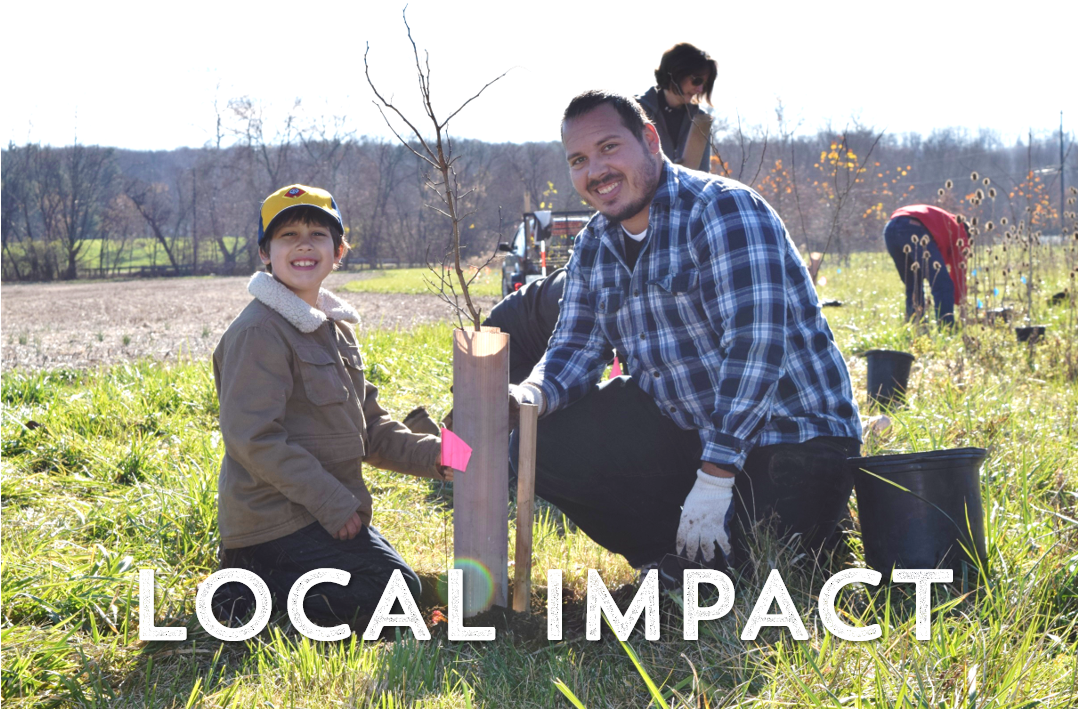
<point>351,528</point>
<point>447,473</point>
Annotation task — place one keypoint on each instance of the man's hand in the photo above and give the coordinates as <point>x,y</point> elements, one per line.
<point>351,528</point>
<point>518,396</point>
<point>446,473</point>
<point>705,517</point>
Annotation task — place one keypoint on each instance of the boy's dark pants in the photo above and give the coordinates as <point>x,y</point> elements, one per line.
<point>369,557</point>
<point>620,470</point>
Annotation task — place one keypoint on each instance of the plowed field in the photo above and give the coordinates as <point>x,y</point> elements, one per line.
<point>91,323</point>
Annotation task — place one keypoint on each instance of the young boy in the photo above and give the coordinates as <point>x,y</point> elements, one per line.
<point>298,419</point>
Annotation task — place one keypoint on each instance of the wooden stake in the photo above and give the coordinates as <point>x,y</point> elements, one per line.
<point>522,582</point>
<point>481,494</point>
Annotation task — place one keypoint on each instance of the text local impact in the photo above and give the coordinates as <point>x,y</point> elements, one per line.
<point>599,602</point>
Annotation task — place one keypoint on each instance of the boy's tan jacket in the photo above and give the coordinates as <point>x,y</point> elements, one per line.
<point>298,417</point>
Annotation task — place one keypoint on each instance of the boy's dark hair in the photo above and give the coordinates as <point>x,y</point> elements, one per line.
<point>683,60</point>
<point>632,115</point>
<point>308,216</point>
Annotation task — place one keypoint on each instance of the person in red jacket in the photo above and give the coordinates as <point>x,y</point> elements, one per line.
<point>927,242</point>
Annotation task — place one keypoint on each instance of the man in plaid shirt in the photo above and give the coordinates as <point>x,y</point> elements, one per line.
<point>739,401</point>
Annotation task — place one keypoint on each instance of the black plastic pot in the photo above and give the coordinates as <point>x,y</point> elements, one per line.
<point>998,314</point>
<point>888,375</point>
<point>922,511</point>
<point>1029,334</point>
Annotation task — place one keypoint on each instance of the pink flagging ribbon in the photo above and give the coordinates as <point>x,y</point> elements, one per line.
<point>455,452</point>
<point>615,370</point>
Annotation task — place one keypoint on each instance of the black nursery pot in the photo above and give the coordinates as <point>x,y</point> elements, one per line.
<point>1029,334</point>
<point>926,524</point>
<point>1000,314</point>
<point>888,375</point>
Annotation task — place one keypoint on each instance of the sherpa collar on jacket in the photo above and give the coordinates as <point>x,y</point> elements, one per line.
<point>292,308</point>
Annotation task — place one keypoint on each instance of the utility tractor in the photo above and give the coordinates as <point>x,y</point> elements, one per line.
<point>541,244</point>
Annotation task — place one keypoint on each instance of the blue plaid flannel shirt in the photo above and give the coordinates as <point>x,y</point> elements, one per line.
<point>719,322</point>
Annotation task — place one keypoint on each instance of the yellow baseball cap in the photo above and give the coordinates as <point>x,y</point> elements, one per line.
<point>296,196</point>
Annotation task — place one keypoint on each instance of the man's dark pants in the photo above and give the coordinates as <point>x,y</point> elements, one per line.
<point>369,557</point>
<point>620,470</point>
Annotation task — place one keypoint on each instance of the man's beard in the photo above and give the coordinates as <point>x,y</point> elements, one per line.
<point>651,183</point>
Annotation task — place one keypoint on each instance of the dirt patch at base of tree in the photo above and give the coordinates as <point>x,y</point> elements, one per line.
<point>99,323</point>
<point>530,628</point>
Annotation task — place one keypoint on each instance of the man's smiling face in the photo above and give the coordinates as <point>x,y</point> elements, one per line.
<point>613,170</point>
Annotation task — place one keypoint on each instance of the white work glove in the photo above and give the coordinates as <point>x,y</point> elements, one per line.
<point>520,394</point>
<point>705,518</point>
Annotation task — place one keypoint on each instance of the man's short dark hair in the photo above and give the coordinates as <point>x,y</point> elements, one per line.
<point>308,216</point>
<point>632,115</point>
<point>684,60</point>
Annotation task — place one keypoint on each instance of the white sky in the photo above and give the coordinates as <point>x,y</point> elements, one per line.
<point>145,75</point>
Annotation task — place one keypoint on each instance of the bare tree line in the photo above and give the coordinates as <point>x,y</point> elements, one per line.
<point>84,210</point>
<point>836,189</point>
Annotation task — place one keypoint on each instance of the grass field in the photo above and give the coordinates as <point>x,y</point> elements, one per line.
<point>146,251</point>
<point>141,251</point>
<point>110,471</point>
<point>421,280</point>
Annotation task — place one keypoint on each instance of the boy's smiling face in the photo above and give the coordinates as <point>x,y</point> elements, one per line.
<point>302,255</point>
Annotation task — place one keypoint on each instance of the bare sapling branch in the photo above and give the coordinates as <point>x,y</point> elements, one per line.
<point>744,155</point>
<point>436,151</point>
<point>763,154</point>
<point>443,286</point>
<point>842,194</point>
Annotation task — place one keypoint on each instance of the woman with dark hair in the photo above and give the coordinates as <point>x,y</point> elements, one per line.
<point>686,75</point>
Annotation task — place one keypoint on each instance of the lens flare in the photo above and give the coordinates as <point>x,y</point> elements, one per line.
<point>478,585</point>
